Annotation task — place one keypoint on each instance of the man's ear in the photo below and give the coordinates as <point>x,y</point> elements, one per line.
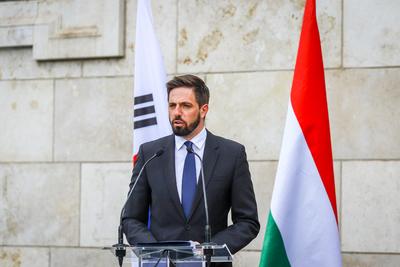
<point>203,110</point>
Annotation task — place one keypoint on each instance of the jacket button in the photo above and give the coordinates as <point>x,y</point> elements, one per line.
<point>187,227</point>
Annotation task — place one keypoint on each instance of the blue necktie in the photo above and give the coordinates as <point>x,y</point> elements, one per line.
<point>188,181</point>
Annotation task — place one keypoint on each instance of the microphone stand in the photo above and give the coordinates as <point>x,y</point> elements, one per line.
<point>120,247</point>
<point>207,245</point>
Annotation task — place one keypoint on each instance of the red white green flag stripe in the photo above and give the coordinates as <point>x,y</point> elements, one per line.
<point>302,226</point>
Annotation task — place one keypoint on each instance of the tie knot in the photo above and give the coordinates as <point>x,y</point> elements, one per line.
<point>189,145</point>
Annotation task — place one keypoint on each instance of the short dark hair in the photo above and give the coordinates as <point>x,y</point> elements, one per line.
<point>191,81</point>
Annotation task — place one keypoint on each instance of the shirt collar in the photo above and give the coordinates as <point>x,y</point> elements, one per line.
<point>198,141</point>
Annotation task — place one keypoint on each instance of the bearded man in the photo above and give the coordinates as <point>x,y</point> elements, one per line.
<point>170,184</point>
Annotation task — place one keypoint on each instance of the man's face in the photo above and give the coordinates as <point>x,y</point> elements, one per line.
<point>185,115</point>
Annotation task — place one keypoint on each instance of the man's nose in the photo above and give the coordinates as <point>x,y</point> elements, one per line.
<point>177,110</point>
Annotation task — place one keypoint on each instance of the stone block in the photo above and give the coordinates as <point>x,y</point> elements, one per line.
<point>337,167</point>
<point>40,204</point>
<point>63,31</point>
<point>16,23</point>
<point>222,36</point>
<point>246,258</point>
<point>165,25</point>
<point>263,176</point>
<point>164,18</point>
<point>19,64</point>
<point>77,257</point>
<point>370,260</point>
<point>27,120</point>
<point>251,109</point>
<point>93,119</point>
<point>104,190</point>
<point>370,206</point>
<point>24,257</point>
<point>16,36</point>
<point>364,112</point>
<point>371,33</point>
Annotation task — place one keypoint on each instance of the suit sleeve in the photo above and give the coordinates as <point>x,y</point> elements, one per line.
<point>135,217</point>
<point>245,225</point>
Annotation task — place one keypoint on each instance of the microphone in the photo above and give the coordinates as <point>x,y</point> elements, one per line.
<point>208,251</point>
<point>120,250</point>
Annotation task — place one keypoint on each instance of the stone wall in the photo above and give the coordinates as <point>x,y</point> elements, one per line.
<point>66,79</point>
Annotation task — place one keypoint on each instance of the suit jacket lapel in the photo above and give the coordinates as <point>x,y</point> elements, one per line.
<point>210,158</point>
<point>170,175</point>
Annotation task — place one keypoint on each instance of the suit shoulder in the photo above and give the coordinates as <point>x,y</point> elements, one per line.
<point>157,144</point>
<point>227,143</point>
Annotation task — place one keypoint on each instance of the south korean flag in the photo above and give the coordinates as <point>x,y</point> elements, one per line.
<point>150,114</point>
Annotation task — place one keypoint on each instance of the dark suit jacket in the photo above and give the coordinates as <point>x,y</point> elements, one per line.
<point>228,186</point>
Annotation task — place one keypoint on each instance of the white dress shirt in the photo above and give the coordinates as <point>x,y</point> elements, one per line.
<point>180,155</point>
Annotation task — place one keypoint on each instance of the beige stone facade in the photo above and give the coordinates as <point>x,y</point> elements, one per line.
<point>66,80</point>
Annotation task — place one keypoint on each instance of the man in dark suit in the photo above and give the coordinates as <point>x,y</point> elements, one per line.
<point>171,187</point>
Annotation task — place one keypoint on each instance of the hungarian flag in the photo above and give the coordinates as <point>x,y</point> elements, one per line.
<point>150,94</point>
<point>302,227</point>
